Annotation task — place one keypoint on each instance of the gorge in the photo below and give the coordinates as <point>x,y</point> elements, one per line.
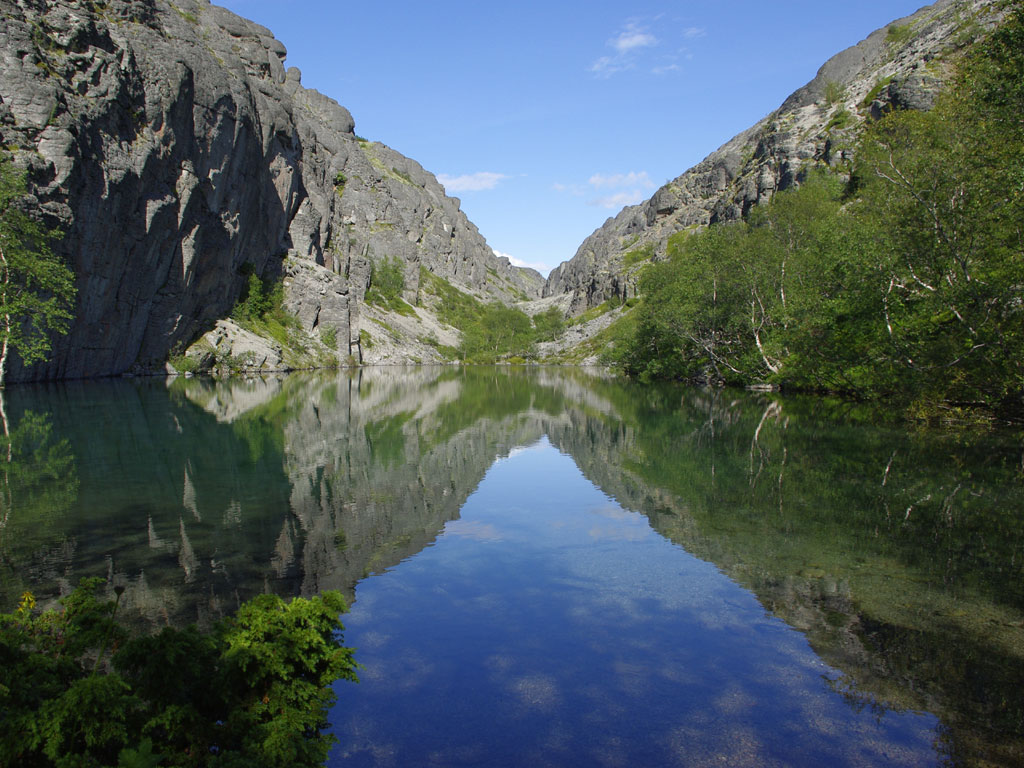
<point>179,156</point>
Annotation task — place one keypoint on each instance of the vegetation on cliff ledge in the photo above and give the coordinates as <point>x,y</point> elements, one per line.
<point>491,332</point>
<point>904,281</point>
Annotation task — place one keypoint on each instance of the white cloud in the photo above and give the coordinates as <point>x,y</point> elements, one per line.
<point>618,200</point>
<point>607,66</point>
<point>626,43</point>
<point>631,179</point>
<point>470,182</point>
<point>542,268</point>
<point>664,70</point>
<point>632,37</point>
<point>636,47</point>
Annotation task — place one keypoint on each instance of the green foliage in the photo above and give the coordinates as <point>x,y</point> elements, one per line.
<point>186,15</point>
<point>37,288</point>
<point>549,324</point>
<point>595,312</point>
<point>899,34</point>
<point>490,332</point>
<point>403,176</point>
<point>260,310</point>
<point>387,281</point>
<point>387,278</point>
<point>875,91</point>
<point>497,332</point>
<point>638,255</point>
<point>834,92</point>
<point>906,283</point>
<point>257,301</point>
<point>255,691</point>
<point>608,345</point>
<point>183,363</point>
<point>840,120</point>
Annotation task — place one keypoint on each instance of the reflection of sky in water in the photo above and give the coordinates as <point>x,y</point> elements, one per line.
<point>548,626</point>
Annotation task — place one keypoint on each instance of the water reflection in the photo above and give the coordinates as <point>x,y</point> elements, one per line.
<point>897,553</point>
<point>573,634</point>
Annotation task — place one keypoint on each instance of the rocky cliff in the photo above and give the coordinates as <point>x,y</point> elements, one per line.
<point>170,144</point>
<point>900,66</point>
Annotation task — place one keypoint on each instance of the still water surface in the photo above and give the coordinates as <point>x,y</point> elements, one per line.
<point>552,567</point>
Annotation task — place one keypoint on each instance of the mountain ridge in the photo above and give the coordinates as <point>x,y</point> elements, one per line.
<point>899,65</point>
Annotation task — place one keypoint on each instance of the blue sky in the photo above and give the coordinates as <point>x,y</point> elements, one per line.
<point>546,118</point>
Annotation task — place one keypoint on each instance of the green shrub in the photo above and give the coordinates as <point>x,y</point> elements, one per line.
<point>255,691</point>
<point>183,363</point>
<point>387,281</point>
<point>899,34</point>
<point>549,324</point>
<point>258,300</point>
<point>876,89</point>
<point>842,119</point>
<point>595,312</point>
<point>403,176</point>
<point>490,332</point>
<point>903,283</point>
<point>834,92</point>
<point>638,255</point>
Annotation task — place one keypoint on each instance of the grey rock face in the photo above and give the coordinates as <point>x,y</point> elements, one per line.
<point>229,341</point>
<point>898,71</point>
<point>176,152</point>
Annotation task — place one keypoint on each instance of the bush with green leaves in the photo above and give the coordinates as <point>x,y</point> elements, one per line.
<point>490,332</point>
<point>37,289</point>
<point>260,310</point>
<point>254,691</point>
<point>549,324</point>
<point>387,281</point>
<point>904,282</point>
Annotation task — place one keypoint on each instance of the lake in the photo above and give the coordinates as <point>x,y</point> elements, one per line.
<point>555,567</point>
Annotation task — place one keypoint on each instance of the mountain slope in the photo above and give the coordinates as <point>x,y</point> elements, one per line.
<point>901,65</point>
<point>178,155</point>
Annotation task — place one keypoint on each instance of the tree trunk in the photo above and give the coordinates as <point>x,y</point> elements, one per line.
<point>4,282</point>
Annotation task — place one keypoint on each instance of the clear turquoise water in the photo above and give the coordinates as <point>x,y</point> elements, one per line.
<point>549,567</point>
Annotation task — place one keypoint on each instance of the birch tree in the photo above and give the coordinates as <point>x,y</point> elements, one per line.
<point>36,287</point>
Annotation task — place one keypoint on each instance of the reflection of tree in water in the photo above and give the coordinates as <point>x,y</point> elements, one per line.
<point>203,493</point>
<point>38,483</point>
<point>898,553</point>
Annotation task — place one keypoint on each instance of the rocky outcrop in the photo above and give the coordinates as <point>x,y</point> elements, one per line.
<point>177,153</point>
<point>900,66</point>
<point>231,346</point>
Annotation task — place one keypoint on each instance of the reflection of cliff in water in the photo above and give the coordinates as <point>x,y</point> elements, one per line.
<point>157,508</point>
<point>378,462</point>
<point>198,495</point>
<point>898,555</point>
